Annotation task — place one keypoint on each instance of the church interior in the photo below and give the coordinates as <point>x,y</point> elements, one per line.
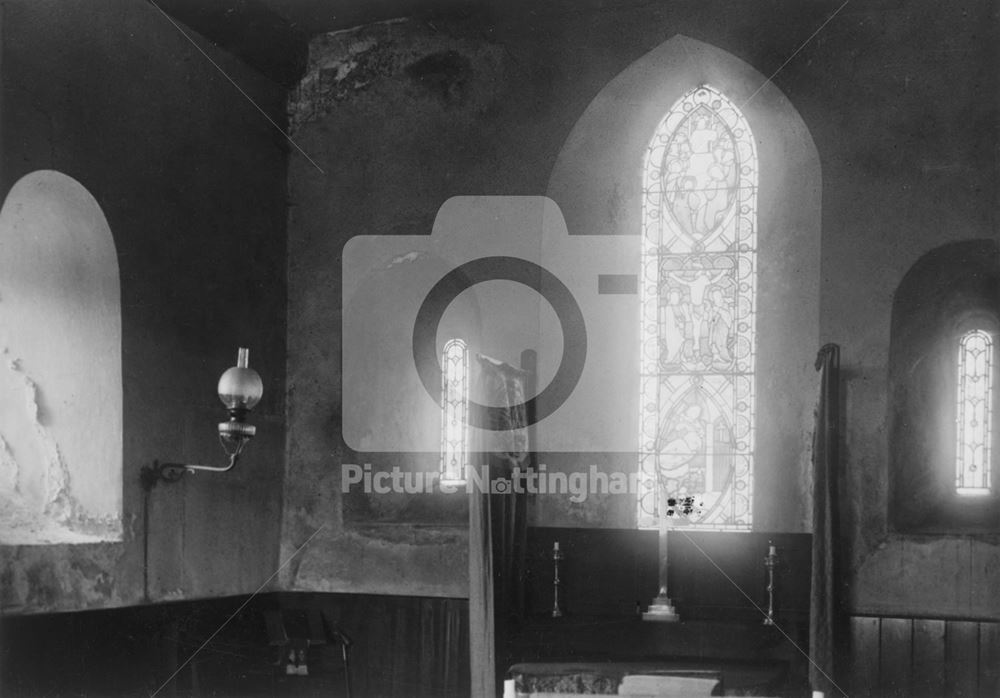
<point>766,235</point>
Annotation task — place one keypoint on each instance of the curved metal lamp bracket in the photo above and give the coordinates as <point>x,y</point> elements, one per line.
<point>172,472</point>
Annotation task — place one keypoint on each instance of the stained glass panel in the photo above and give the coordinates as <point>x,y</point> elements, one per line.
<point>454,405</point>
<point>698,297</point>
<point>974,414</point>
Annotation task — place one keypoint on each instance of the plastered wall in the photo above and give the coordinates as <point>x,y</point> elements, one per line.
<point>191,181</point>
<point>901,104</point>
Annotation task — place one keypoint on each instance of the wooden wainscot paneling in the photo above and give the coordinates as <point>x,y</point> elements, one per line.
<point>864,656</point>
<point>895,647</point>
<point>924,658</point>
<point>403,647</point>
<point>989,659</point>
<point>928,658</point>
<point>961,658</point>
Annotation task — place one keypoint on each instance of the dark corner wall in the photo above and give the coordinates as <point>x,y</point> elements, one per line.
<point>191,179</point>
<point>900,100</point>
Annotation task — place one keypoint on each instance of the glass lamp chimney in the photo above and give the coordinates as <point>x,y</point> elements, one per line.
<point>240,387</point>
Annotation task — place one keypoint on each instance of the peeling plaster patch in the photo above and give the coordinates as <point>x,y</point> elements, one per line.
<point>347,65</point>
<point>21,526</point>
<point>20,585</point>
<point>9,470</point>
<point>56,476</point>
<point>34,580</point>
<point>173,595</point>
<point>98,589</point>
<point>91,584</point>
<point>409,534</point>
<point>56,473</point>
<point>42,512</point>
<point>44,585</point>
<point>422,561</point>
<point>407,57</point>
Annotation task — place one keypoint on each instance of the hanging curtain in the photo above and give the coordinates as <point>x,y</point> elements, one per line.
<point>497,526</point>
<point>482,645</point>
<point>825,618</point>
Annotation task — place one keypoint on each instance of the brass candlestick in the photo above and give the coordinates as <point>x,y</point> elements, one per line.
<point>556,557</point>
<point>662,608</point>
<point>770,562</point>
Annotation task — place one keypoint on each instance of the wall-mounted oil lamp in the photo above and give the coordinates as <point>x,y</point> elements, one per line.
<point>240,389</point>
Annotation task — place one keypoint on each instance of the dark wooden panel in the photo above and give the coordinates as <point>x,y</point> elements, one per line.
<point>406,657</point>
<point>370,622</point>
<point>403,646</point>
<point>713,573</point>
<point>989,659</point>
<point>961,656</point>
<point>924,658</point>
<point>895,655</point>
<point>632,639</point>
<point>456,664</point>
<point>928,677</point>
<point>430,631</point>
<point>611,572</point>
<point>864,657</point>
<point>603,571</point>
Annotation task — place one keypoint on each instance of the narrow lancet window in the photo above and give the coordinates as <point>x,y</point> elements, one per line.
<point>454,410</point>
<point>975,414</point>
<point>698,313</point>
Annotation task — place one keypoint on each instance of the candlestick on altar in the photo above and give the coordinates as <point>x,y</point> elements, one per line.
<point>770,562</point>
<point>662,609</point>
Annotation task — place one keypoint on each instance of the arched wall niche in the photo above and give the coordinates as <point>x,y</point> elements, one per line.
<point>60,366</point>
<point>950,290</point>
<point>597,182</point>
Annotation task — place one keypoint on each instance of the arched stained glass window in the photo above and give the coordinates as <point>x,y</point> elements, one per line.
<point>974,414</point>
<point>454,406</point>
<point>698,308</point>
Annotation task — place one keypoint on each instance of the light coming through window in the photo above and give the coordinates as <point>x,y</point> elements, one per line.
<point>454,410</point>
<point>975,414</point>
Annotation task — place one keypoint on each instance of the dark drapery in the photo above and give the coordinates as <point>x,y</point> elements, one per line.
<point>482,645</point>
<point>825,618</point>
<point>497,525</point>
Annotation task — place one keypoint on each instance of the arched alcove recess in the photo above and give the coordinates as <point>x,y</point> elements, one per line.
<point>61,372</point>
<point>950,290</point>
<point>597,182</point>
